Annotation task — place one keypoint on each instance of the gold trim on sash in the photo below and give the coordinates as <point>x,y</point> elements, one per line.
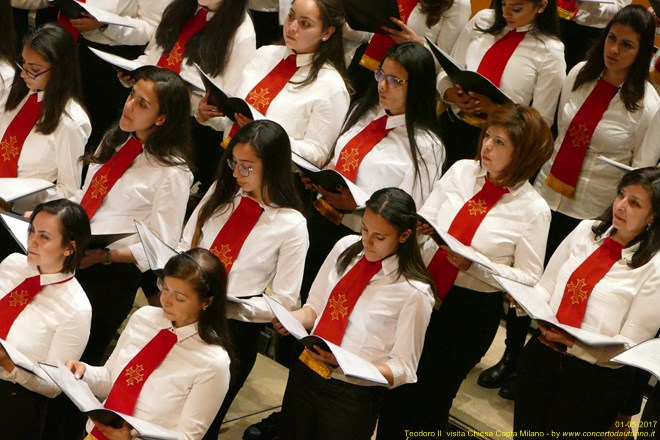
<point>90,437</point>
<point>471,119</point>
<point>559,186</point>
<point>566,15</point>
<point>369,63</point>
<point>323,370</point>
<point>328,211</point>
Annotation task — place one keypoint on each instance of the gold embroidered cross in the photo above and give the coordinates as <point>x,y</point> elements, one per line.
<point>223,254</point>
<point>9,147</point>
<point>476,207</point>
<point>579,294</point>
<point>259,100</point>
<point>579,135</point>
<point>339,310</point>
<point>350,159</point>
<point>176,55</point>
<point>18,298</point>
<point>134,375</point>
<point>99,186</point>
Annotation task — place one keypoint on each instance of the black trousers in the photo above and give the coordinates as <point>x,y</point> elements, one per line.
<point>22,412</point>
<point>457,337</point>
<point>244,340</point>
<point>459,138</point>
<point>577,41</point>
<point>315,408</point>
<point>561,393</point>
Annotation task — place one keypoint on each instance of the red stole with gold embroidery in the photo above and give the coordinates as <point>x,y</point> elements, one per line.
<point>106,177</point>
<point>229,241</point>
<point>583,280</point>
<point>173,59</point>
<point>12,304</point>
<point>463,227</point>
<point>343,298</point>
<point>63,20</point>
<point>379,43</point>
<point>17,131</point>
<point>566,168</point>
<point>262,95</point>
<point>359,146</point>
<point>498,55</point>
<point>129,383</point>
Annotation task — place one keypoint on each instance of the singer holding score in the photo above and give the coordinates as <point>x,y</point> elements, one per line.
<point>603,278</point>
<point>44,313</point>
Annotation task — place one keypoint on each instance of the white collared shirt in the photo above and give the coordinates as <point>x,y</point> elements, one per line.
<point>389,320</point>
<point>6,78</point>
<point>618,136</point>
<point>649,152</point>
<point>533,75</point>
<point>143,14</point>
<point>148,191</point>
<point>186,390</point>
<point>597,14</point>
<point>242,48</point>
<point>53,157</point>
<point>272,257</point>
<point>312,115</point>
<point>512,236</point>
<point>53,327</point>
<point>624,304</point>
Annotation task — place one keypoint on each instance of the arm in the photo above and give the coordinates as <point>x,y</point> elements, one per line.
<point>149,13</point>
<point>646,151</point>
<point>243,47</point>
<point>71,140</point>
<point>430,168</point>
<point>550,79</point>
<point>452,22</point>
<point>438,195</point>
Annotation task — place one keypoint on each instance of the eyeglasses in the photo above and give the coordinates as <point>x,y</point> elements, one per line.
<point>20,63</point>
<point>392,81</point>
<point>243,170</point>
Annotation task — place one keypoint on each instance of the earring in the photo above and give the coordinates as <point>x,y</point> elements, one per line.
<point>324,39</point>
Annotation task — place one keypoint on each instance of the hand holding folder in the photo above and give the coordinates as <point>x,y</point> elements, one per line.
<point>371,15</point>
<point>74,9</point>
<point>227,104</point>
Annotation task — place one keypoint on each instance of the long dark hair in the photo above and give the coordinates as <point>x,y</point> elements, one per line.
<point>546,23</point>
<point>398,209</point>
<point>332,50</point>
<point>632,90</point>
<point>272,146</point>
<point>169,143</point>
<point>649,238</point>
<point>8,38</point>
<point>210,47</point>
<point>420,97</point>
<point>58,47</point>
<point>207,275</point>
<point>433,9</point>
<point>74,227</point>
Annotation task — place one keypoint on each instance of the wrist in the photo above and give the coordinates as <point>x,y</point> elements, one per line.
<point>107,257</point>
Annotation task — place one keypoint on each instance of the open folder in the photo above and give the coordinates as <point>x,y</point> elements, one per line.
<point>15,232</point>
<point>74,9</point>
<point>371,15</point>
<point>530,300</point>
<point>23,362</point>
<point>329,179</point>
<point>81,395</point>
<point>469,80</point>
<point>14,188</point>
<point>227,104</point>
<point>351,364</point>
<point>645,355</point>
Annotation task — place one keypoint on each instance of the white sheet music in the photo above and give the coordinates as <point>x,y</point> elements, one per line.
<point>158,253</point>
<point>19,229</point>
<point>645,355</point>
<point>13,188</point>
<point>105,16</point>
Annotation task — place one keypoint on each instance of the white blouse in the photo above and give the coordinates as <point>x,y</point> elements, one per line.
<point>53,327</point>
<point>512,236</point>
<point>271,260</point>
<point>53,157</point>
<point>597,14</point>
<point>618,136</point>
<point>389,320</point>
<point>186,390</point>
<point>6,78</point>
<point>533,75</point>
<point>624,304</point>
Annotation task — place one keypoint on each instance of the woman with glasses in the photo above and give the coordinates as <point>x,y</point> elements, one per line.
<point>300,85</point>
<point>389,139</point>
<point>516,46</point>
<point>7,50</point>
<point>44,128</point>
<point>187,343</point>
<point>251,219</point>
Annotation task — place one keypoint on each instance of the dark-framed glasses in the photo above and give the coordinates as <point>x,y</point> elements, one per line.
<point>243,170</point>
<point>20,63</point>
<point>392,81</point>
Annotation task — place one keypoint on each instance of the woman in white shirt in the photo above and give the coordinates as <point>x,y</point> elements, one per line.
<point>53,317</point>
<point>184,389</point>
<point>604,279</point>
<point>489,205</point>
<point>530,70</point>
<point>300,86</point>
<point>254,198</point>
<point>373,297</point>
<point>45,96</point>
<point>7,50</point>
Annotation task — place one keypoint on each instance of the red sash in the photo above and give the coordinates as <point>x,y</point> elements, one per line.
<point>63,20</point>
<point>497,56</point>
<point>229,241</point>
<point>267,89</point>
<point>173,59</point>
<point>583,280</point>
<point>566,168</point>
<point>106,177</point>
<point>17,131</point>
<point>343,298</point>
<point>463,227</point>
<point>129,383</point>
<point>379,43</point>
<point>359,146</point>
<point>566,9</point>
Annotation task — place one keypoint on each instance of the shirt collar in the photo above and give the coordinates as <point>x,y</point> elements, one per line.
<point>525,28</point>
<point>392,121</point>
<point>269,210</point>
<point>481,177</point>
<point>53,278</point>
<point>182,333</point>
<point>627,252</point>
<point>301,59</point>
<point>388,264</point>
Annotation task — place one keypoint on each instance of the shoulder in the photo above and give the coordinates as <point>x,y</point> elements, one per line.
<point>465,168</point>
<point>651,100</point>
<point>483,19</point>
<point>14,260</point>
<point>459,7</point>
<point>74,114</point>
<point>147,314</point>
<point>78,298</point>
<point>345,242</point>
<point>291,216</point>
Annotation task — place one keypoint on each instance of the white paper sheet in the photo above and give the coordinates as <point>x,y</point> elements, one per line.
<point>645,355</point>
<point>13,188</point>
<point>19,228</point>
<point>614,163</point>
<point>106,17</point>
